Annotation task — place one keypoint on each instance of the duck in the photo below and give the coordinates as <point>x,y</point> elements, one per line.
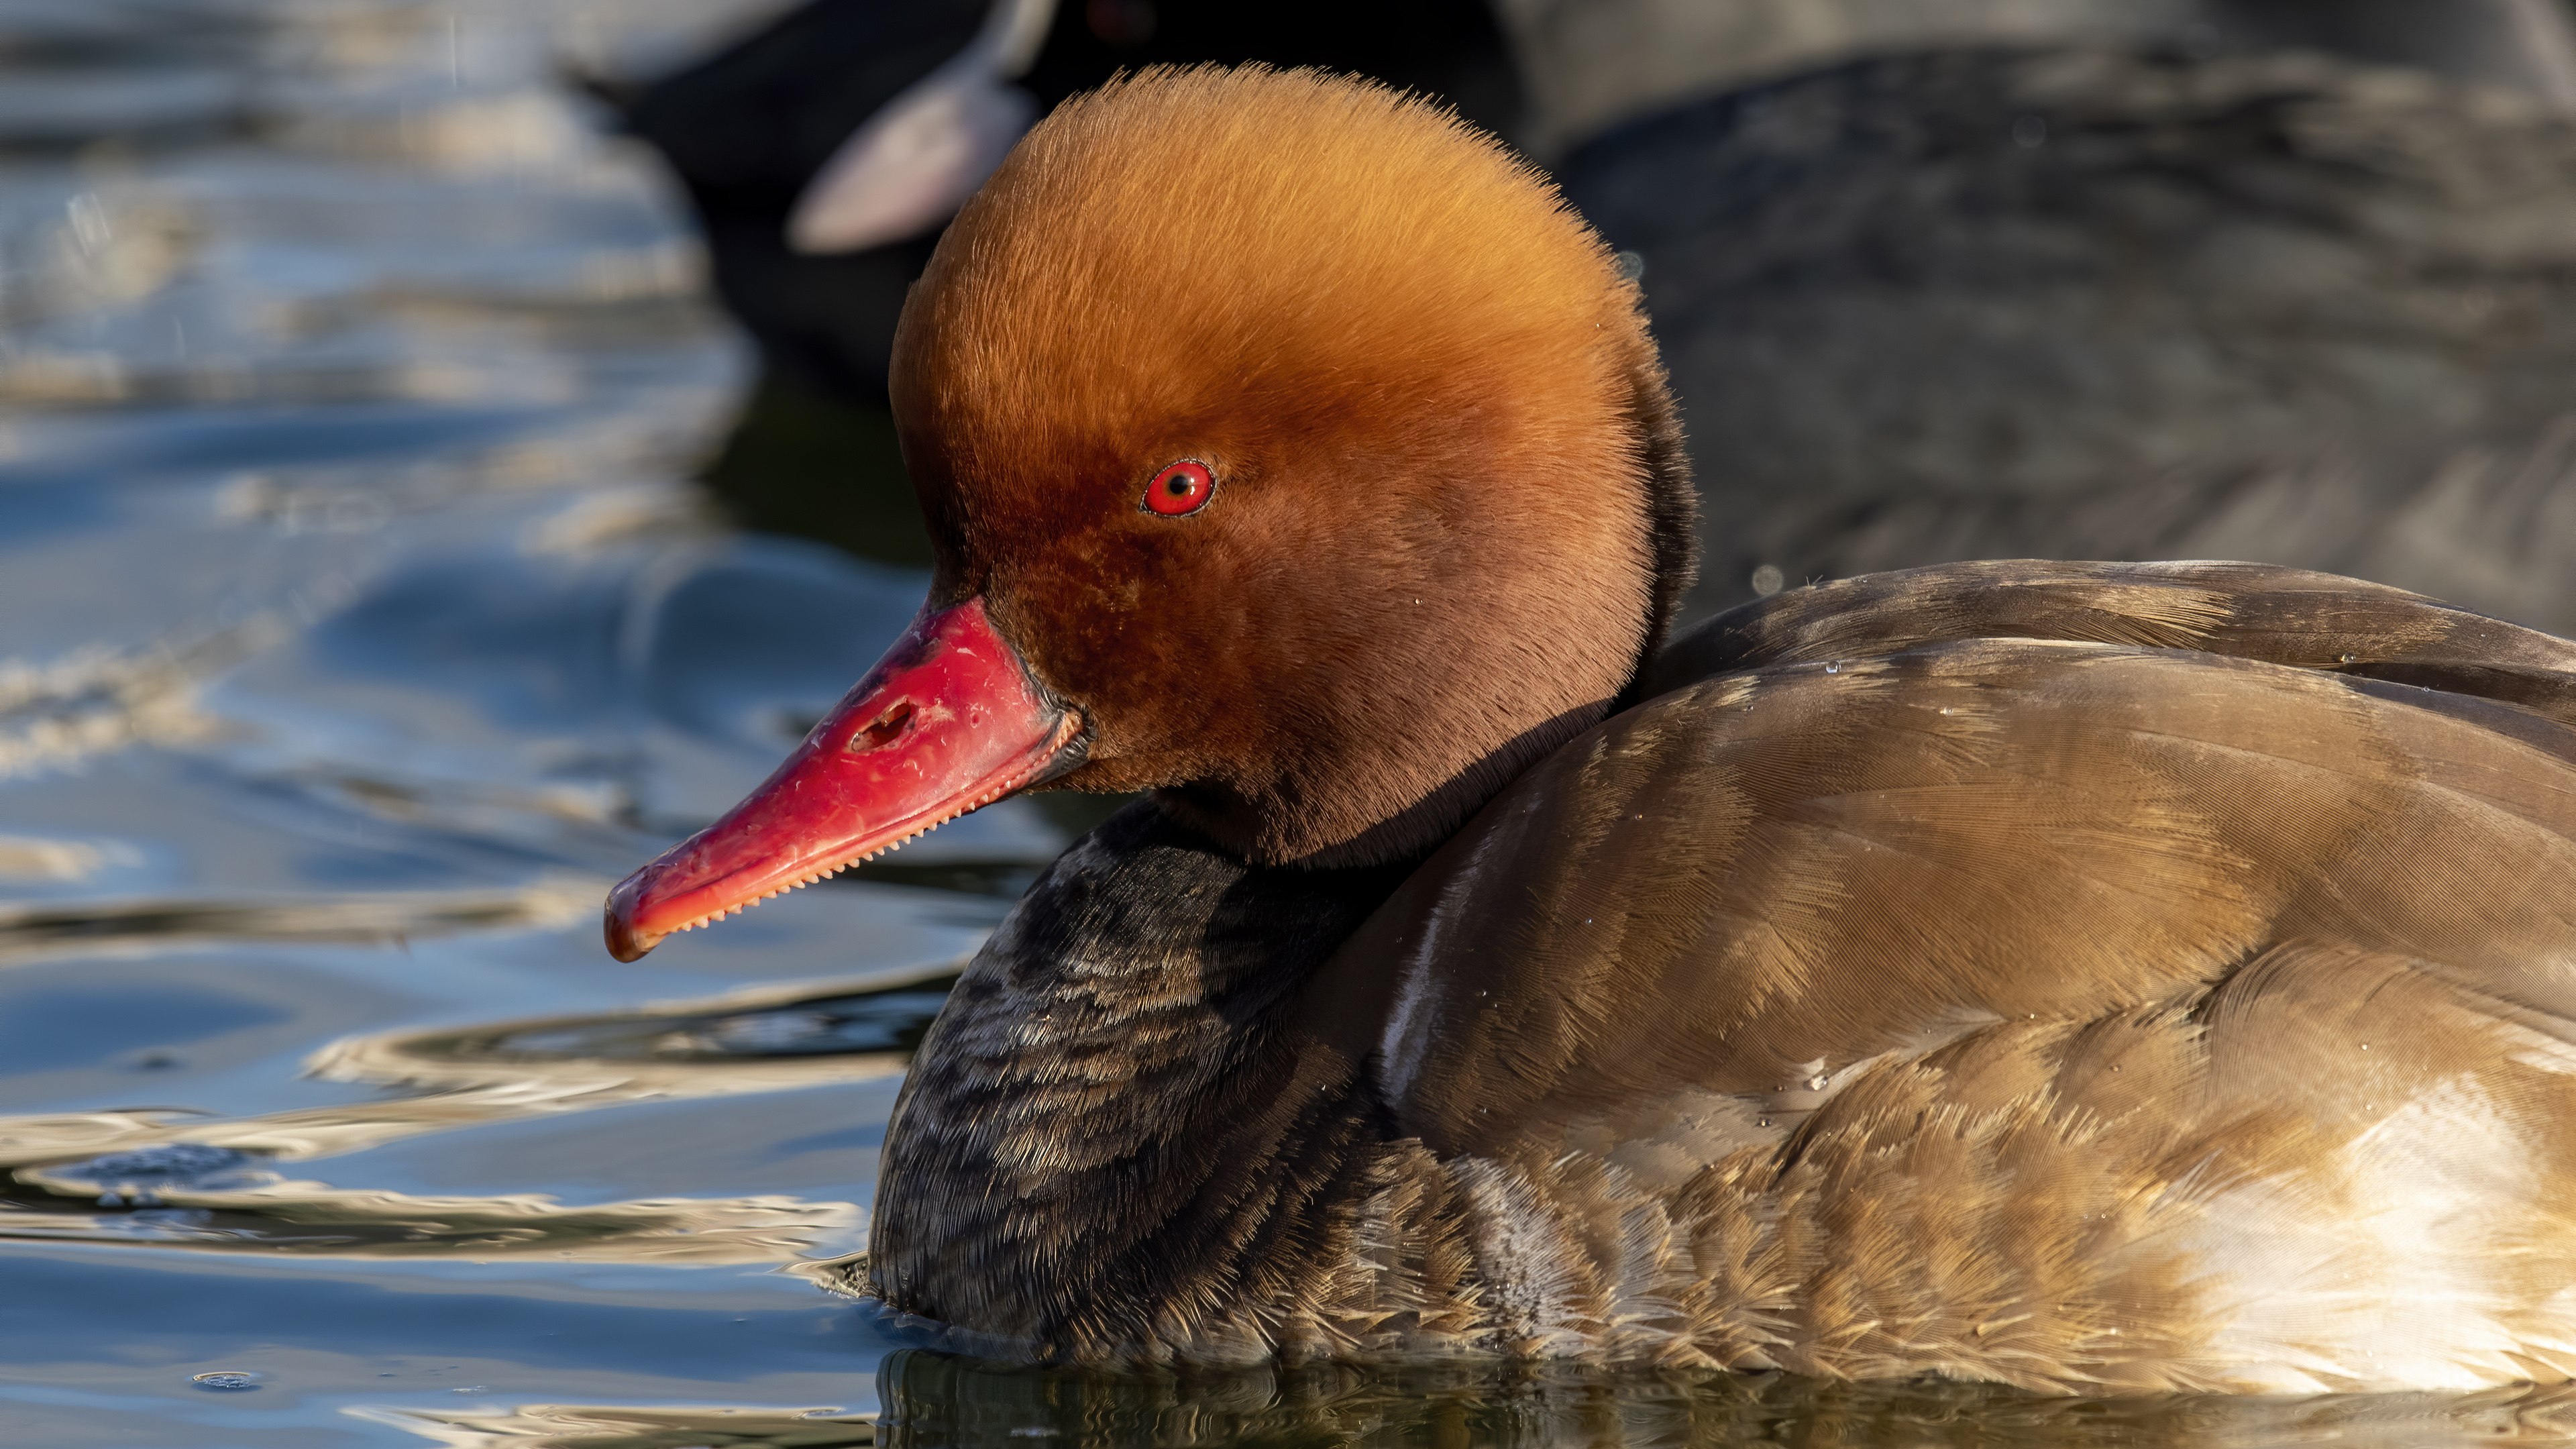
<point>2099,978</point>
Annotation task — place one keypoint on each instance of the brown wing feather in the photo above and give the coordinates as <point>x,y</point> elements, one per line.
<point>2068,1013</point>
<point>1809,861</point>
<point>2248,611</point>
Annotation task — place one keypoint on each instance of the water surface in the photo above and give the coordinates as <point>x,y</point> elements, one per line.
<point>358,625</point>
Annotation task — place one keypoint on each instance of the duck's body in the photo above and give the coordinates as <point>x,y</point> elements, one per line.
<point>2089,977</point>
<point>1861,1007</point>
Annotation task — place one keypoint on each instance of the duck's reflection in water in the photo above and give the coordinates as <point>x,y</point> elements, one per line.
<point>158,1177</point>
<point>935,1399</point>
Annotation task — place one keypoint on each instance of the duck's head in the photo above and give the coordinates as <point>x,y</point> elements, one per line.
<point>1290,451</point>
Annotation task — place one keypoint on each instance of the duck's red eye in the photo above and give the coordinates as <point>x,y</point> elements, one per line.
<point>1181,488</point>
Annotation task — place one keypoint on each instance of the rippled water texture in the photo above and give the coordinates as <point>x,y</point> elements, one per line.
<point>358,624</point>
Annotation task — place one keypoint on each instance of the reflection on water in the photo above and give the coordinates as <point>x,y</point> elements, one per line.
<point>360,624</point>
<point>169,1179</point>
<point>60,929</point>
<point>573,1426</point>
<point>930,1399</point>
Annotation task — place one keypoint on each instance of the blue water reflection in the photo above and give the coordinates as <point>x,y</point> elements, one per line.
<point>50,1028</point>
<point>358,624</point>
<point>109,1342</point>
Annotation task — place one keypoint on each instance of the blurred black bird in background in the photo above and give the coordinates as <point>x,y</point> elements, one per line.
<point>770,123</point>
<point>2273,279</point>
<point>2284,280</point>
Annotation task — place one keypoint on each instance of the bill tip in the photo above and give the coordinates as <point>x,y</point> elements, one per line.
<point>623,941</point>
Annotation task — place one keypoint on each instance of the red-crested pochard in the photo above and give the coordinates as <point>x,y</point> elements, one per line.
<point>2097,978</point>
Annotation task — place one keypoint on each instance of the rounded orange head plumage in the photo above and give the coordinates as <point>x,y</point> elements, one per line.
<point>1290,449</point>
<point>1447,499</point>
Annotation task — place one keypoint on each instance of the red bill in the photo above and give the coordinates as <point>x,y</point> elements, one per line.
<point>948,721</point>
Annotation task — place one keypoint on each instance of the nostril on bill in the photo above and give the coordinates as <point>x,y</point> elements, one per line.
<point>888,725</point>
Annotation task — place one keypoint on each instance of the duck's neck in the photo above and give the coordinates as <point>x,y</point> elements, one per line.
<point>1116,1116</point>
